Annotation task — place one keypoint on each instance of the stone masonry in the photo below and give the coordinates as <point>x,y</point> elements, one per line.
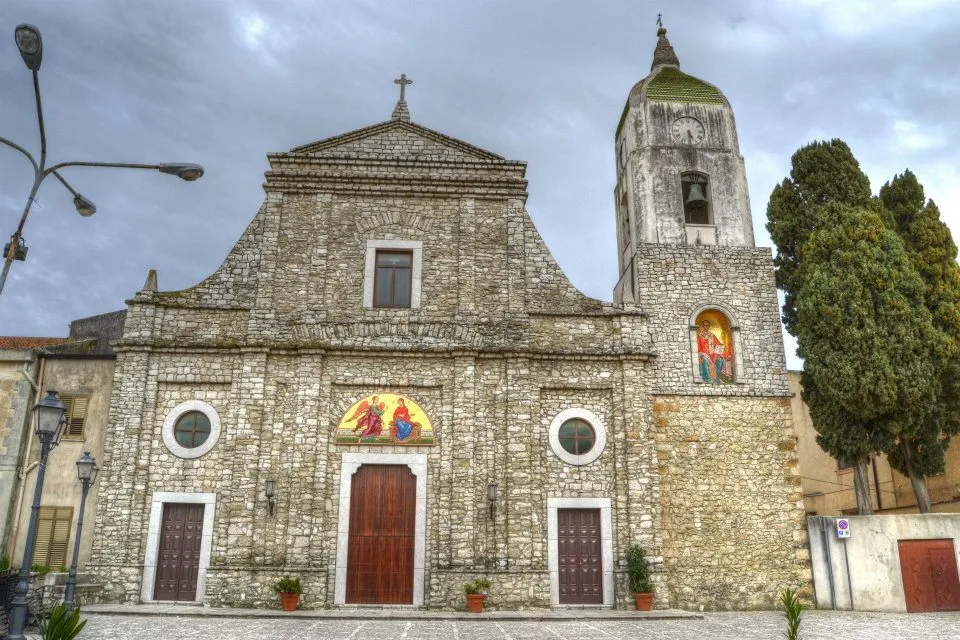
<point>279,342</point>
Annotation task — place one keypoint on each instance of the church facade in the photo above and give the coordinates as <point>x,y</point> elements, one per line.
<point>389,387</point>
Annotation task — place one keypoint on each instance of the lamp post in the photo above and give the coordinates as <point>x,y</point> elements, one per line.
<point>87,472</point>
<point>49,413</point>
<point>31,50</point>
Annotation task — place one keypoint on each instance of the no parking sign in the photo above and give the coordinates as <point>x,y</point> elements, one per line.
<point>843,528</point>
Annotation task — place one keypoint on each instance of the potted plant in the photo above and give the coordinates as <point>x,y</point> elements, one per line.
<point>638,574</point>
<point>289,590</point>
<point>476,592</point>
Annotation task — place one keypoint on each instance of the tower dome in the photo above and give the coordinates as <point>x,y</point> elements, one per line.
<point>680,175</point>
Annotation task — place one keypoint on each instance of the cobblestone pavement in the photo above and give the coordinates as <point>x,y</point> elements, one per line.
<point>816,624</point>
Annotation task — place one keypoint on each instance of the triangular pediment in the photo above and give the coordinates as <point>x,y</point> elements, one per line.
<point>398,139</point>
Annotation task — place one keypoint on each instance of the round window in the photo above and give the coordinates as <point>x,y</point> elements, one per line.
<point>192,429</point>
<point>577,436</point>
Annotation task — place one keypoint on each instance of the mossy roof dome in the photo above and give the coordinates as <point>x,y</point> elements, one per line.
<point>666,83</point>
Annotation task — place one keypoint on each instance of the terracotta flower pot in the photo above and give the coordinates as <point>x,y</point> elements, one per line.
<point>289,601</point>
<point>644,601</point>
<point>475,602</point>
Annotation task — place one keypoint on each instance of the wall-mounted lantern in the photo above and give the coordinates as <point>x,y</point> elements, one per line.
<point>492,494</point>
<point>270,490</point>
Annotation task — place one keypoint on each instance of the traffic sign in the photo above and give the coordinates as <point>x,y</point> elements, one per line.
<point>843,528</point>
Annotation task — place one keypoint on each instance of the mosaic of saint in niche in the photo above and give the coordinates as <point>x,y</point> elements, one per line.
<point>385,418</point>
<point>714,347</point>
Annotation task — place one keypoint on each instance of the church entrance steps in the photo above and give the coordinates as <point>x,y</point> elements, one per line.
<point>392,613</point>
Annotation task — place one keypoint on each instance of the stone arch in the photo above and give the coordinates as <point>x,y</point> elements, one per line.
<point>732,370</point>
<point>406,219</point>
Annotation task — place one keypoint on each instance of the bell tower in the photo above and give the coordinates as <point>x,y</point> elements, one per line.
<point>680,175</point>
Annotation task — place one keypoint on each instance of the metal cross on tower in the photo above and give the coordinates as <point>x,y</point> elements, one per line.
<point>403,82</point>
<point>659,19</point>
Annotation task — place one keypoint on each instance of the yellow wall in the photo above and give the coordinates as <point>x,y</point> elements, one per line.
<point>826,489</point>
<point>829,491</point>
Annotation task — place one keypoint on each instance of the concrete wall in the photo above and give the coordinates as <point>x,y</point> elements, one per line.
<point>872,555</point>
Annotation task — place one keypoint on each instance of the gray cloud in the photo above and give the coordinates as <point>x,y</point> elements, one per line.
<point>223,83</point>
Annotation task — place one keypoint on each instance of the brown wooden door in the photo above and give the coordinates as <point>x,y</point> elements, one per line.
<point>178,559</point>
<point>929,570</point>
<point>383,505</point>
<point>578,552</point>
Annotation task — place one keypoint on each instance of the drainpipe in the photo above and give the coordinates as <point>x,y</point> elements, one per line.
<point>826,547</point>
<point>37,386</point>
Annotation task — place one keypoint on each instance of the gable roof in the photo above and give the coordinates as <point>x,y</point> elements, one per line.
<point>353,141</point>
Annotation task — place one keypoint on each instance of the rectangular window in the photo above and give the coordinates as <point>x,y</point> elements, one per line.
<point>76,414</point>
<point>843,464</point>
<point>53,536</point>
<point>392,285</point>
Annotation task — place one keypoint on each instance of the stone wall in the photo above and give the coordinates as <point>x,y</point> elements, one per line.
<point>733,521</point>
<point>279,343</point>
<point>673,281</point>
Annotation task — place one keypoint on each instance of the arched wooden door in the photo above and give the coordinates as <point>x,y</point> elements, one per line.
<point>383,501</point>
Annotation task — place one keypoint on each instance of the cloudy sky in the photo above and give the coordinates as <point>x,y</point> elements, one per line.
<point>224,82</point>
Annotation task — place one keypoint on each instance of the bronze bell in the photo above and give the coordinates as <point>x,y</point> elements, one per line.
<point>696,199</point>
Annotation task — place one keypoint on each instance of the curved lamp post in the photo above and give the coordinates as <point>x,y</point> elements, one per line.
<point>31,50</point>
<point>50,418</point>
<point>87,472</point>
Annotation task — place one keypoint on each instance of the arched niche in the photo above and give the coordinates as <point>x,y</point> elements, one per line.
<point>716,350</point>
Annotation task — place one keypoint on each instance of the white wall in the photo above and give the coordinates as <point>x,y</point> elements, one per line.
<point>872,555</point>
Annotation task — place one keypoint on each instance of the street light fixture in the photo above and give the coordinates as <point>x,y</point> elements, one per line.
<point>50,419</point>
<point>30,45</point>
<point>87,472</point>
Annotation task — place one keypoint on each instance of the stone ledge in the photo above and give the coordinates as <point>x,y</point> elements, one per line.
<point>362,613</point>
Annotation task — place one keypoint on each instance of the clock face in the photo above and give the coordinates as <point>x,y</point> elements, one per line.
<point>687,130</point>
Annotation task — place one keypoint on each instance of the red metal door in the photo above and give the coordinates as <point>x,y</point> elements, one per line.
<point>178,559</point>
<point>383,503</point>
<point>929,570</point>
<point>579,557</point>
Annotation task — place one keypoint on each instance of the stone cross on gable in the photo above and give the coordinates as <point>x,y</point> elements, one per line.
<point>403,82</point>
<point>400,112</point>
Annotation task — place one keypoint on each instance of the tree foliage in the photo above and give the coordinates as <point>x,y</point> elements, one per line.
<point>864,333</point>
<point>822,173</point>
<point>872,293</point>
<point>933,254</point>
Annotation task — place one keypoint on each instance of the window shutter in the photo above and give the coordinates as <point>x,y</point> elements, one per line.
<point>76,413</point>
<point>53,536</point>
<point>41,549</point>
<point>60,539</point>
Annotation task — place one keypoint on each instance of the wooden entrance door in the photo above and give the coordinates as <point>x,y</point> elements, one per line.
<point>178,559</point>
<point>383,506</point>
<point>579,557</point>
<point>929,570</point>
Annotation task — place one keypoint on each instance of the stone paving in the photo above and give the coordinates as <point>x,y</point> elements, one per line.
<point>762,624</point>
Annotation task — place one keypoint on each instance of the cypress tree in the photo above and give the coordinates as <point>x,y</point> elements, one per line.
<point>823,174</point>
<point>865,335</point>
<point>919,451</point>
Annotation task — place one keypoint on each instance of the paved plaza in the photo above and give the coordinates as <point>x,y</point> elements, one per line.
<point>817,624</point>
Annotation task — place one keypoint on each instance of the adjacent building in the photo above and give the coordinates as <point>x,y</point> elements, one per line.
<point>80,367</point>
<point>828,483</point>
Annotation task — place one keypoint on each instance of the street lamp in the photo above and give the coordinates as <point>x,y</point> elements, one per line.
<point>31,50</point>
<point>87,472</point>
<point>50,421</point>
